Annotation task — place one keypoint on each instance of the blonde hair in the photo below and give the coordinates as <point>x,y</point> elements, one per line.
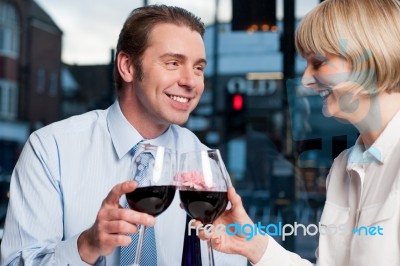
<point>366,33</point>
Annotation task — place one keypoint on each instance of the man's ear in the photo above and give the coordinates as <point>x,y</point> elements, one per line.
<point>125,67</point>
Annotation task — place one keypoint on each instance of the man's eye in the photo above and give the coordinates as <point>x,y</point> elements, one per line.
<point>200,68</point>
<point>172,63</point>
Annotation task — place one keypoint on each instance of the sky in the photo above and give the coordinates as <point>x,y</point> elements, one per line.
<point>90,28</point>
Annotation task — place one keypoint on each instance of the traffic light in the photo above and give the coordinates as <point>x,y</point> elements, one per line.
<point>237,102</point>
<point>236,114</point>
<point>254,15</point>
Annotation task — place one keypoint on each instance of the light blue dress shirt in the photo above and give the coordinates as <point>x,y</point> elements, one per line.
<point>64,173</point>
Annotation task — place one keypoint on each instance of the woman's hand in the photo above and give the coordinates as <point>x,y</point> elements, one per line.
<point>253,248</point>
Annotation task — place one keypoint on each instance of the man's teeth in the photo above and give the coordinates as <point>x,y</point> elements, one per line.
<point>324,93</point>
<point>179,99</point>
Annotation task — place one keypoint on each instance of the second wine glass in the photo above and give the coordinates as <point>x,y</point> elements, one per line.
<point>203,182</point>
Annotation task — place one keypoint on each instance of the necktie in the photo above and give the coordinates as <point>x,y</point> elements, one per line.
<point>191,255</point>
<point>149,250</point>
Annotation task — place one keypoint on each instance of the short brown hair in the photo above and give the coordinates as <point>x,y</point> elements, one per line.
<point>134,36</point>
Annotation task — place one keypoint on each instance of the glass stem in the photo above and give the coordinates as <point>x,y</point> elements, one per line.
<point>138,252</point>
<point>210,253</point>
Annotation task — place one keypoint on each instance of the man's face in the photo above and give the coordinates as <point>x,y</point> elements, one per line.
<point>173,75</point>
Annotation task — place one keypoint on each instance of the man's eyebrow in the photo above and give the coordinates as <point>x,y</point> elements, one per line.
<point>182,57</point>
<point>201,61</point>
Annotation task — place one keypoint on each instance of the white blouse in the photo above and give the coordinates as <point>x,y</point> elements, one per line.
<point>363,196</point>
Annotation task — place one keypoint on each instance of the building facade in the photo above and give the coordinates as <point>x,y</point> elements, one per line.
<point>30,67</point>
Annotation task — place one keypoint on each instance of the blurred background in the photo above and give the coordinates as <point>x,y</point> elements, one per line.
<point>56,61</point>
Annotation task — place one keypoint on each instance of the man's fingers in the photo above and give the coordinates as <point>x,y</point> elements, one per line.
<point>135,217</point>
<point>128,215</point>
<point>147,220</point>
<point>119,190</point>
<point>113,240</point>
<point>121,227</point>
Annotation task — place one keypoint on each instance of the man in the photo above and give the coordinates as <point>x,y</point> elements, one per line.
<point>65,206</point>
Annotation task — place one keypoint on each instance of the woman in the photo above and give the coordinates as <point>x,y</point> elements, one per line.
<point>352,48</point>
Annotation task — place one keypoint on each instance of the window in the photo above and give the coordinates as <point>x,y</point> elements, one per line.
<point>8,99</point>
<point>9,30</point>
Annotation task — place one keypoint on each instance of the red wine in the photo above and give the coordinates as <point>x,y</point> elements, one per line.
<point>152,200</point>
<point>204,206</point>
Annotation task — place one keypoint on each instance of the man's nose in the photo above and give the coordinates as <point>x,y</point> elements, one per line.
<point>187,78</point>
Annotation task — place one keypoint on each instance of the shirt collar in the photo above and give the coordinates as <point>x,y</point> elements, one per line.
<point>381,148</point>
<point>124,136</point>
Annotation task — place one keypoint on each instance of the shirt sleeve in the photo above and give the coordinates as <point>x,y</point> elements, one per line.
<point>34,228</point>
<point>276,255</point>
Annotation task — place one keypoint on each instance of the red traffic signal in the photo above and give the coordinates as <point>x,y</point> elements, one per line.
<point>237,102</point>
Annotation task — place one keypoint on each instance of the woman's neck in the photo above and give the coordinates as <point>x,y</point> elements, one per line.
<point>382,109</point>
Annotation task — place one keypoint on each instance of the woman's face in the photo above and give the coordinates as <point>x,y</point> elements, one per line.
<point>323,74</point>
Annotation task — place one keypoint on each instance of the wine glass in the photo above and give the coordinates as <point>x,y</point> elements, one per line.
<point>203,182</point>
<point>154,168</point>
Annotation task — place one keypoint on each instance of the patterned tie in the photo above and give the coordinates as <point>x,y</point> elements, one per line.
<point>149,249</point>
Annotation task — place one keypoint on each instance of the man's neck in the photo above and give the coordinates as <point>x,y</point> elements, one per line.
<point>146,128</point>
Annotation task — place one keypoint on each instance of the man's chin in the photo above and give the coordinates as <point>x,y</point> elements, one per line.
<point>180,121</point>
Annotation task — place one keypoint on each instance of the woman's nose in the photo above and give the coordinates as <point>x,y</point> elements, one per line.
<point>308,80</point>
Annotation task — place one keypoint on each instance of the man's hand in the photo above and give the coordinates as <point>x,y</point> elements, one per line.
<point>112,226</point>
